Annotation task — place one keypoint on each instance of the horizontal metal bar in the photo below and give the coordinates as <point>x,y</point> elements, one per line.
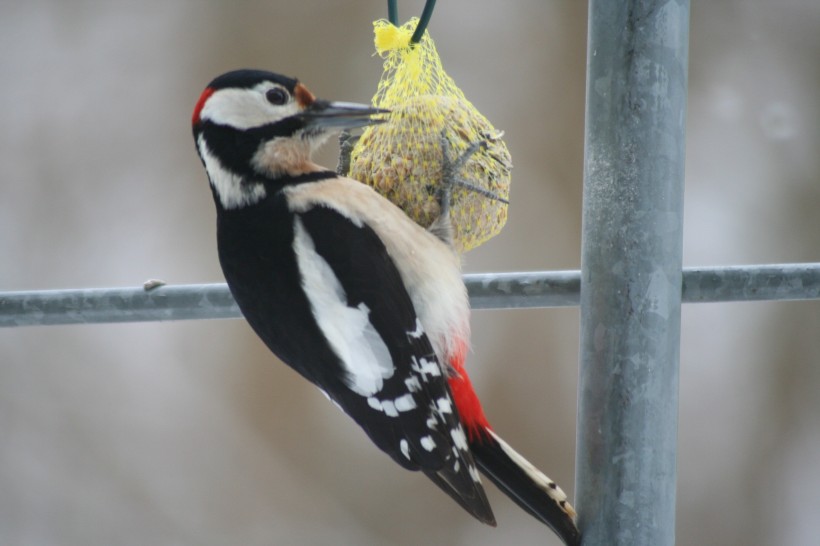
<point>487,291</point>
<point>103,305</point>
<point>523,290</point>
<point>752,283</point>
<point>700,285</point>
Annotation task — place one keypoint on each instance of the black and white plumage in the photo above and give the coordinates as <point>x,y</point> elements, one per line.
<point>343,287</point>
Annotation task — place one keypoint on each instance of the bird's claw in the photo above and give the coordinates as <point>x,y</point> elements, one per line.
<point>347,141</point>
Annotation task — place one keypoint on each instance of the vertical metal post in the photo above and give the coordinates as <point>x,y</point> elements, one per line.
<point>631,271</point>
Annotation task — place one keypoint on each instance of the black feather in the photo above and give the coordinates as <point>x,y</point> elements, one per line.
<point>514,481</point>
<point>256,252</point>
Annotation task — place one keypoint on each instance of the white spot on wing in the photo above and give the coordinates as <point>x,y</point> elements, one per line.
<point>405,403</point>
<point>444,405</point>
<point>413,384</point>
<point>348,330</point>
<point>428,443</point>
<point>418,332</point>
<point>405,448</point>
<point>425,367</point>
<point>389,408</point>
<point>459,438</point>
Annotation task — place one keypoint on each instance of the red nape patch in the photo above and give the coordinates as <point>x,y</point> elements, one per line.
<point>467,402</point>
<point>200,104</point>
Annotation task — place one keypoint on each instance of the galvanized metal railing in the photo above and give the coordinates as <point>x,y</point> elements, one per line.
<point>631,271</point>
<point>630,287</point>
<point>487,291</point>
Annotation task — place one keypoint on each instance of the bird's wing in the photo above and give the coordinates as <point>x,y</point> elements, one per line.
<point>395,388</point>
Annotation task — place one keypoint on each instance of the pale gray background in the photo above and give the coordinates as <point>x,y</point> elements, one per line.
<point>191,433</point>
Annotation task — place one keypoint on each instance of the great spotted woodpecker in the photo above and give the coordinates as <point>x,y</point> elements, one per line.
<point>343,287</point>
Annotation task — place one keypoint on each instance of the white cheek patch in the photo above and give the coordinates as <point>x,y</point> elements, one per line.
<point>348,330</point>
<point>244,108</point>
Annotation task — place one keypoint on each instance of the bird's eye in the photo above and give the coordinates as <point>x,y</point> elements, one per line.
<point>277,96</point>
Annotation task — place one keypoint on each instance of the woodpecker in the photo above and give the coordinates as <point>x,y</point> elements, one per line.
<point>353,295</point>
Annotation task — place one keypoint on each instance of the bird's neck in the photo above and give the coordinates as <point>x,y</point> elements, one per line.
<point>232,192</point>
<point>283,158</point>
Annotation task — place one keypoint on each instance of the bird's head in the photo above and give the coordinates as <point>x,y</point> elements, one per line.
<point>252,126</point>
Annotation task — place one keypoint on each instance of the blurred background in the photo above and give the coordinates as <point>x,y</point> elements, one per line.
<point>192,433</point>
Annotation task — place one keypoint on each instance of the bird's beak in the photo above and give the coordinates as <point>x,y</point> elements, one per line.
<point>321,114</point>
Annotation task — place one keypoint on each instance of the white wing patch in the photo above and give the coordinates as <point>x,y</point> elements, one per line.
<point>352,337</point>
<point>424,261</point>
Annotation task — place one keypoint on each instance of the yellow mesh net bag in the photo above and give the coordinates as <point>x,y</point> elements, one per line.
<point>403,158</point>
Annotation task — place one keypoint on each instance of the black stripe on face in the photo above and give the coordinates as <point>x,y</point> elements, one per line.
<point>235,148</point>
<point>248,78</point>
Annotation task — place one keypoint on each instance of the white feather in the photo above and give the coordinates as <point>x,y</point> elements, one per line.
<point>405,448</point>
<point>405,402</point>
<point>391,408</point>
<point>348,330</point>
<point>444,405</point>
<point>459,438</point>
<point>430,270</point>
<point>425,366</point>
<point>245,108</point>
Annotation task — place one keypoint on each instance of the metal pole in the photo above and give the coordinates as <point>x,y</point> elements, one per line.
<point>631,271</point>
<point>487,291</point>
<point>107,305</point>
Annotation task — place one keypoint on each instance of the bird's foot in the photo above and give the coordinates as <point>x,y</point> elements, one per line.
<point>347,141</point>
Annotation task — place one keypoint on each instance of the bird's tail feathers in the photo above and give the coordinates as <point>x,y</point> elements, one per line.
<point>465,490</point>
<point>527,486</point>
